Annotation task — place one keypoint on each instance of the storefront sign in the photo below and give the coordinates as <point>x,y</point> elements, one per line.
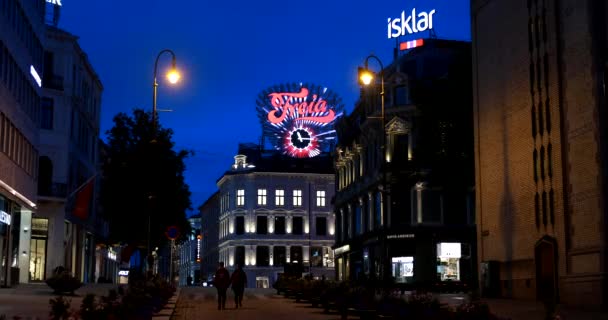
<point>342,249</point>
<point>124,273</point>
<point>5,218</point>
<point>111,255</point>
<point>411,24</point>
<point>55,2</point>
<point>448,250</point>
<point>401,236</point>
<point>198,248</point>
<point>298,119</point>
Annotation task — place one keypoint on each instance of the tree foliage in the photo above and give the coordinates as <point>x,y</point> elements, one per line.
<point>143,178</point>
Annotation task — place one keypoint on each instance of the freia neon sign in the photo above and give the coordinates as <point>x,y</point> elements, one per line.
<point>410,24</point>
<point>294,104</point>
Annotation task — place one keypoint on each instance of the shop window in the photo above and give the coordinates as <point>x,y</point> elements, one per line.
<point>321,226</point>
<point>38,246</point>
<point>261,282</point>
<point>297,225</point>
<point>316,256</point>
<point>403,269</point>
<point>279,256</point>
<point>262,225</point>
<point>448,261</point>
<point>262,256</point>
<point>279,225</point>
<point>240,225</point>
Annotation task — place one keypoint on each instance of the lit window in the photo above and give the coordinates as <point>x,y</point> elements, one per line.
<point>262,197</point>
<point>320,198</point>
<point>240,197</point>
<point>297,198</point>
<point>279,197</point>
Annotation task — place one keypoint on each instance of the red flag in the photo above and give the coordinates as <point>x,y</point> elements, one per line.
<point>83,199</point>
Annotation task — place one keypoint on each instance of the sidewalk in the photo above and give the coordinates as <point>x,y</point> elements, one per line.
<point>31,301</point>
<point>532,310</point>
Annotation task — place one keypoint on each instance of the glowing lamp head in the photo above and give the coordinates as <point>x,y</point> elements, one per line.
<point>173,76</point>
<point>365,76</point>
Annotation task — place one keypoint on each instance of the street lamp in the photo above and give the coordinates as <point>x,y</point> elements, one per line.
<point>366,77</point>
<point>173,76</point>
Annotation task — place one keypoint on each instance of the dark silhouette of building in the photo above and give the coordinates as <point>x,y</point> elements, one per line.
<point>541,152</point>
<point>408,215</point>
<point>209,212</point>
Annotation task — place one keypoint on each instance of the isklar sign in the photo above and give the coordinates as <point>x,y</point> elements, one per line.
<point>410,23</point>
<point>298,119</point>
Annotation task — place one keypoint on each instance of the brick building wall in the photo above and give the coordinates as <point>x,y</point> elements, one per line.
<point>538,76</point>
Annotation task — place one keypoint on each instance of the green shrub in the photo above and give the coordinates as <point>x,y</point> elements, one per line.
<point>62,281</point>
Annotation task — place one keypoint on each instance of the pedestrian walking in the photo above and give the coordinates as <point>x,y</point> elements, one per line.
<point>221,283</point>
<point>238,281</point>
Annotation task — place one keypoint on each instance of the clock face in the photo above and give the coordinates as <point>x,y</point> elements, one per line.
<point>300,138</point>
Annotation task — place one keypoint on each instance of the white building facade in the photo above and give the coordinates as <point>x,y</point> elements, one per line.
<point>276,216</point>
<point>21,64</point>
<point>68,167</point>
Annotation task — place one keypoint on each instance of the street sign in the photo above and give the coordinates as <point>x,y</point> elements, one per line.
<point>172,232</point>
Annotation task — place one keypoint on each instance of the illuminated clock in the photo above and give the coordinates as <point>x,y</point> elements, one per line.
<point>300,138</point>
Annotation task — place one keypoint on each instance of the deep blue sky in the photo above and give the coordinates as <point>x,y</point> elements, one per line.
<point>228,51</point>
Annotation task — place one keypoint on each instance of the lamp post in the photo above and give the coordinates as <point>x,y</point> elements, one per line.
<point>365,78</point>
<point>173,76</point>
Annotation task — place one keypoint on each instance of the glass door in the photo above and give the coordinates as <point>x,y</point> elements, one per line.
<point>37,259</point>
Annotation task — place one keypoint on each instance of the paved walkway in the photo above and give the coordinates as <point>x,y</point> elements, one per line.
<point>31,301</point>
<point>201,303</point>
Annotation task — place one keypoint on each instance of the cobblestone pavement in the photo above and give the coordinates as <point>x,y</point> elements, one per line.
<point>201,303</point>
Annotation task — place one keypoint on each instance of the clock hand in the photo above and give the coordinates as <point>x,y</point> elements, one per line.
<point>299,136</point>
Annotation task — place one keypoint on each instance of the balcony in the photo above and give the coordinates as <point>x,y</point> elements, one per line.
<point>53,190</point>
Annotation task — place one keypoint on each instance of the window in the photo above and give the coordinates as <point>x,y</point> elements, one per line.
<point>279,256</point>
<point>262,256</point>
<point>240,197</point>
<point>378,210</point>
<point>298,223</point>
<point>46,119</point>
<point>321,226</point>
<point>279,197</point>
<point>297,198</point>
<point>239,255</point>
<point>262,225</point>
<point>262,197</point>
<point>240,225</point>
<point>358,229</point>
<point>401,96</point>
<point>316,256</point>
<point>295,254</point>
<point>320,198</point>
<point>279,225</point>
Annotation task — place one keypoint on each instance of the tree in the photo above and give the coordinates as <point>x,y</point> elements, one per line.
<point>143,178</point>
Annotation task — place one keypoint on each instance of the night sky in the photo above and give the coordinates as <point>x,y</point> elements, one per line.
<point>229,51</point>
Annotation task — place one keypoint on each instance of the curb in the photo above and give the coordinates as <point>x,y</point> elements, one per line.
<point>169,309</point>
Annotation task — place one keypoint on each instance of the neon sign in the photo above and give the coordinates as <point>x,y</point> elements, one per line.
<point>298,119</point>
<point>412,24</point>
<point>55,2</point>
<point>198,248</point>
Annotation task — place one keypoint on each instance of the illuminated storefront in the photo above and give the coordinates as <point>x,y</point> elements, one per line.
<point>403,269</point>
<point>448,261</point>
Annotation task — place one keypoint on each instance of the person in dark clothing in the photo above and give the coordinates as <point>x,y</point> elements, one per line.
<point>238,281</point>
<point>221,282</point>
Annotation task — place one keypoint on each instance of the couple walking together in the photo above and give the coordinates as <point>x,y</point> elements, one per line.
<point>223,280</point>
